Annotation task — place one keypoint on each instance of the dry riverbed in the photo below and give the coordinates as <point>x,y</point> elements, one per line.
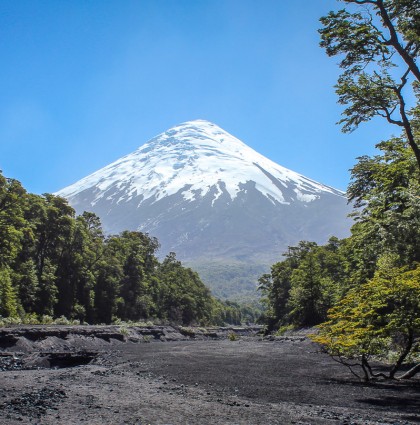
<point>163,375</point>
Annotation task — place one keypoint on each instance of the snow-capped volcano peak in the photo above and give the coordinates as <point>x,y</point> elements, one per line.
<point>207,196</point>
<point>195,158</point>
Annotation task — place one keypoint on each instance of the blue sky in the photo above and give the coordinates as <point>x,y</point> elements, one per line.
<point>83,83</point>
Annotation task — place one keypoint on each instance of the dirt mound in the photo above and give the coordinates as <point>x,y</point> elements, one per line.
<point>46,338</point>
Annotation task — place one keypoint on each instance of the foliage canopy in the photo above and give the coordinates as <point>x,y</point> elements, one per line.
<point>378,42</point>
<point>53,263</point>
<point>363,291</point>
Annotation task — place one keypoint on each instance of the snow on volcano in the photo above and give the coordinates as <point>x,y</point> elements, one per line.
<point>196,155</point>
<point>206,194</point>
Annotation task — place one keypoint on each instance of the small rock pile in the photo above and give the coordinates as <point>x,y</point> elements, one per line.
<point>10,362</point>
<point>33,404</point>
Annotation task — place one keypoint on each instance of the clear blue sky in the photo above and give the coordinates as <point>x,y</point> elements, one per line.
<point>83,83</point>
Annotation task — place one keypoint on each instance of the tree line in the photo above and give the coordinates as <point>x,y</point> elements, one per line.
<point>54,263</point>
<point>363,292</point>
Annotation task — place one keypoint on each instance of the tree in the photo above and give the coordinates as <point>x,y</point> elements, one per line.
<point>306,292</point>
<point>384,189</point>
<point>26,282</point>
<point>85,252</point>
<point>275,288</point>
<point>12,198</point>
<point>378,321</point>
<point>380,43</point>
<point>379,316</point>
<point>8,299</point>
<point>106,291</point>
<point>184,297</point>
<point>300,290</point>
<point>134,253</point>
<point>47,290</point>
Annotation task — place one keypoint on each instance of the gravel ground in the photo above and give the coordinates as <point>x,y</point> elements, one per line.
<point>204,381</point>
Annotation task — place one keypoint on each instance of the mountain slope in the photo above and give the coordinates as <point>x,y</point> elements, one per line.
<point>209,197</point>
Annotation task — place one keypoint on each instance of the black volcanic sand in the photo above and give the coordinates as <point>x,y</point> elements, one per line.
<point>201,381</point>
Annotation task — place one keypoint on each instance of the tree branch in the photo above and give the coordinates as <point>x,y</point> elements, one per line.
<point>394,41</point>
<point>403,355</point>
<point>410,373</point>
<point>374,375</point>
<point>362,1</point>
<point>340,360</point>
<point>389,118</point>
<point>406,122</point>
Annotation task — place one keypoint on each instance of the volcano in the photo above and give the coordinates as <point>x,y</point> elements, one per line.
<point>210,198</point>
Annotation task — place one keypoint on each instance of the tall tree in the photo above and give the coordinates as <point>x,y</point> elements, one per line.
<point>300,289</point>
<point>378,320</point>
<point>385,191</point>
<point>379,43</point>
<point>26,283</point>
<point>136,252</point>
<point>185,299</point>
<point>8,299</point>
<point>12,199</point>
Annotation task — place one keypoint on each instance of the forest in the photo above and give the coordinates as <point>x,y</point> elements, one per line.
<point>55,264</point>
<point>363,292</point>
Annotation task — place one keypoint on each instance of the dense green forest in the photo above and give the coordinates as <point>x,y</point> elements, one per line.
<point>55,264</point>
<point>300,290</point>
<point>364,291</point>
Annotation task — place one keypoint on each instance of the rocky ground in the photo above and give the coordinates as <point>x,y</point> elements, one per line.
<point>163,375</point>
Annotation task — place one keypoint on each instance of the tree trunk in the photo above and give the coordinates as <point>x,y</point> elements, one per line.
<point>394,42</point>
<point>409,374</point>
<point>403,355</point>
